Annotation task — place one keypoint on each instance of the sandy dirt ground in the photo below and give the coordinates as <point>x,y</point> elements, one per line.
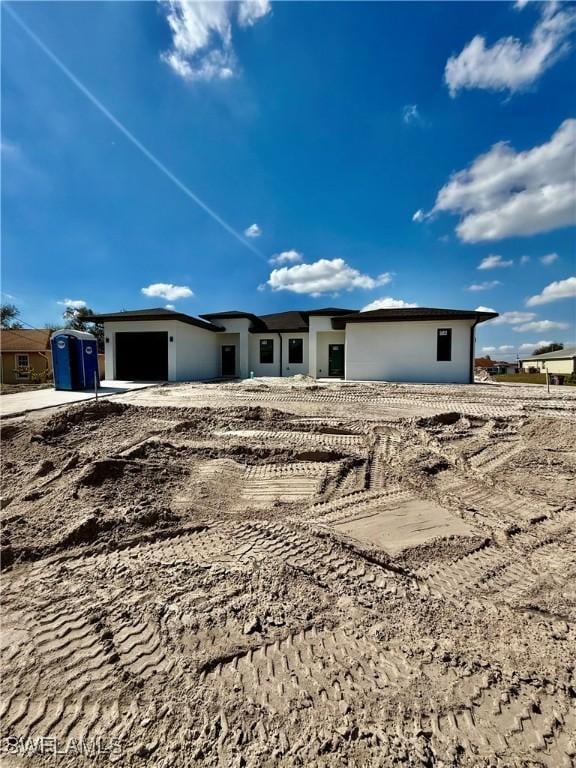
<point>271,573</point>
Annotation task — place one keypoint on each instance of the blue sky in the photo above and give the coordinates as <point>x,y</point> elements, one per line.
<point>342,154</point>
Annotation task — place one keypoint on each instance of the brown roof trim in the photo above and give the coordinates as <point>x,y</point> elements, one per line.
<point>329,311</point>
<point>412,315</point>
<point>149,315</point>
<point>228,315</point>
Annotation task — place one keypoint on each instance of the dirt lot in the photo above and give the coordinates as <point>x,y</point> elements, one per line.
<point>285,573</point>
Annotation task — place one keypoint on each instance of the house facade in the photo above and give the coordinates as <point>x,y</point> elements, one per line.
<point>405,345</point>
<point>562,362</point>
<point>26,355</point>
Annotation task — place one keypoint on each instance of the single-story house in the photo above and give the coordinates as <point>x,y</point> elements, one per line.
<point>26,355</point>
<point>495,366</point>
<point>411,345</point>
<point>560,363</point>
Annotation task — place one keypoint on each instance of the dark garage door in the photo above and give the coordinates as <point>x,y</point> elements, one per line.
<point>142,356</point>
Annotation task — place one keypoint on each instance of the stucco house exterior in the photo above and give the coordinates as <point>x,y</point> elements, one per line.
<point>26,355</point>
<point>560,363</point>
<point>410,345</point>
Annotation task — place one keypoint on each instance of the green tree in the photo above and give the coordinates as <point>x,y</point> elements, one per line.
<point>79,320</point>
<point>9,314</point>
<point>554,347</point>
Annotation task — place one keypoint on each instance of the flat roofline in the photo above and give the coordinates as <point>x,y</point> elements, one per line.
<point>126,317</point>
<point>412,315</point>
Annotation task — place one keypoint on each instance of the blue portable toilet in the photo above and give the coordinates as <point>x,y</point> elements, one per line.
<point>74,360</point>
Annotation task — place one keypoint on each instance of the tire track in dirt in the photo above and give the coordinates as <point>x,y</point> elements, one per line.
<point>495,719</point>
<point>319,558</point>
<point>329,669</point>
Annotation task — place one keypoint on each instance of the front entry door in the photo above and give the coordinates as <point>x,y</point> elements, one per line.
<point>229,360</point>
<point>336,360</point>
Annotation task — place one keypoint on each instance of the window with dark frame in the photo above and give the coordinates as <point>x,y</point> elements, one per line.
<point>444,345</point>
<point>266,350</point>
<point>295,351</point>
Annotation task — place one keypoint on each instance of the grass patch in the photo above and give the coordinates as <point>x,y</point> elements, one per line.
<point>527,378</point>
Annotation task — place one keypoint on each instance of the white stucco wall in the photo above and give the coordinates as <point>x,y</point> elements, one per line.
<point>226,339</point>
<point>323,340</point>
<point>197,353</point>
<point>137,326</point>
<point>406,351</point>
<point>263,369</point>
<point>564,367</point>
<point>194,353</point>
<point>291,369</point>
<point>317,324</point>
<point>240,326</point>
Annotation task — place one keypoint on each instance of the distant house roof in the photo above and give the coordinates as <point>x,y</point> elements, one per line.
<point>413,313</point>
<point>568,353</point>
<point>23,340</point>
<point>159,313</point>
<point>485,362</point>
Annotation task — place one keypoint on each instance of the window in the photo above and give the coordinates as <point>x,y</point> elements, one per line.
<point>22,366</point>
<point>295,351</point>
<point>266,350</point>
<point>444,345</point>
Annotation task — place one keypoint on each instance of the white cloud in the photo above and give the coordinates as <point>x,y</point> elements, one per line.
<point>170,306</point>
<point>249,11</point>
<point>74,303</point>
<point>388,303</point>
<point>494,262</point>
<point>253,231</point>
<point>550,258</point>
<point>506,348</point>
<point>410,114</point>
<point>323,276</point>
<point>168,291</point>
<point>509,64</point>
<point>286,257</point>
<point>524,260</point>
<point>484,309</point>
<point>202,35</point>
<point>561,289</point>
<point>505,193</point>
<point>530,347</point>
<point>419,216</point>
<point>540,326</point>
<point>488,349</point>
<point>485,286</point>
<point>513,318</point>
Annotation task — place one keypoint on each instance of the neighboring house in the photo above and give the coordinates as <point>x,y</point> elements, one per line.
<point>561,363</point>
<point>26,355</point>
<point>495,366</point>
<point>412,345</point>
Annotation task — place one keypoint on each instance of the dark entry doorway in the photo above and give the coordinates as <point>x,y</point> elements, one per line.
<point>142,356</point>
<point>228,360</point>
<point>336,360</point>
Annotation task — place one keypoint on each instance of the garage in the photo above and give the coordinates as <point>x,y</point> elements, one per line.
<point>142,356</point>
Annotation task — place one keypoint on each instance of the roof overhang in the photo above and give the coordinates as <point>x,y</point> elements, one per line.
<point>407,315</point>
<point>129,317</point>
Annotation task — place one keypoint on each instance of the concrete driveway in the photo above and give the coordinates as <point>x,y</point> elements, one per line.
<point>35,400</point>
